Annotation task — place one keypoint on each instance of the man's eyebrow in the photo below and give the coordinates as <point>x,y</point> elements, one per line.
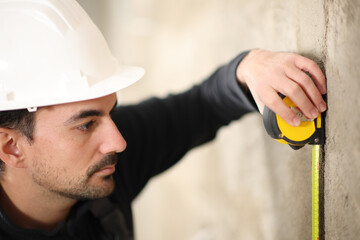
<point>84,114</point>
<point>88,113</point>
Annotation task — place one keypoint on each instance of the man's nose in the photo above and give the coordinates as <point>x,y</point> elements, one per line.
<point>113,141</point>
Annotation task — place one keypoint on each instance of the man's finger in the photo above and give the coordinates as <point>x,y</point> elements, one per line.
<point>314,70</point>
<point>295,92</point>
<point>308,86</point>
<point>277,105</point>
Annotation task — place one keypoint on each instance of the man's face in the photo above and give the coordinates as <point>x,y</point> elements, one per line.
<point>73,152</point>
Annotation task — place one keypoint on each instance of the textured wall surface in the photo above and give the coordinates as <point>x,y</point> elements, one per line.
<point>243,185</point>
<point>342,152</point>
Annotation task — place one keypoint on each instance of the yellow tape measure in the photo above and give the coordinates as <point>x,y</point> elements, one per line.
<point>310,131</point>
<point>315,191</point>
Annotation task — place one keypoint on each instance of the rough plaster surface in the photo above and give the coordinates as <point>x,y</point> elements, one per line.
<point>342,159</point>
<point>244,185</point>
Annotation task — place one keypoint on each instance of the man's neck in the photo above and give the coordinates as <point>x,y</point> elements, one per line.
<point>29,206</point>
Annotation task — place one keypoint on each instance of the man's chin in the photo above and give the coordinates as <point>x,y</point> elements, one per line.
<point>97,190</point>
<point>104,189</point>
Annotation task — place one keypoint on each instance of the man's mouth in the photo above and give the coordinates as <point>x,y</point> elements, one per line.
<point>106,166</point>
<point>107,170</point>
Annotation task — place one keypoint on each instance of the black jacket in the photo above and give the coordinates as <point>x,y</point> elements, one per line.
<point>159,132</point>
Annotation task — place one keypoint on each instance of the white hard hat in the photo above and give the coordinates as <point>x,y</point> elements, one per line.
<point>52,53</point>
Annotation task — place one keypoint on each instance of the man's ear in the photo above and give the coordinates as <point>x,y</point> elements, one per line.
<point>9,150</point>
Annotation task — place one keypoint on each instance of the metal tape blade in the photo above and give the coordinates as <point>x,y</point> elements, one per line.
<point>315,191</point>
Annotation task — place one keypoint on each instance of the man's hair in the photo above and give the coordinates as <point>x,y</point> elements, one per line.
<point>21,120</point>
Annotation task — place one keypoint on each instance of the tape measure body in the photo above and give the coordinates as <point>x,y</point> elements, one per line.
<point>308,132</point>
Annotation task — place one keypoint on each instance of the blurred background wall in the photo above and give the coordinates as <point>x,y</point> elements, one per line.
<point>243,185</point>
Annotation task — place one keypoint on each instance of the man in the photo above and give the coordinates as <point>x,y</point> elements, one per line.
<point>66,170</point>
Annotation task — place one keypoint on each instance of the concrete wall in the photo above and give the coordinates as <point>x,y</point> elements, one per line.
<point>342,152</point>
<point>244,185</point>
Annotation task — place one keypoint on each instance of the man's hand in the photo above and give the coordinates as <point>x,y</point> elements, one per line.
<point>268,73</point>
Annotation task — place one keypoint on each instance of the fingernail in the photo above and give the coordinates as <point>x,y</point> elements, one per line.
<point>324,89</point>
<point>296,122</point>
<point>314,113</point>
<point>322,107</point>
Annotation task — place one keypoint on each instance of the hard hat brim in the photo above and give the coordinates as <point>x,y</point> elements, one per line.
<point>122,78</point>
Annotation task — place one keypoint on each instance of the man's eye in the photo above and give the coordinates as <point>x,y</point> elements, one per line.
<point>86,126</point>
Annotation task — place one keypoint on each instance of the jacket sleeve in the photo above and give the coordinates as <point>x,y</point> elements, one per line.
<point>159,132</point>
